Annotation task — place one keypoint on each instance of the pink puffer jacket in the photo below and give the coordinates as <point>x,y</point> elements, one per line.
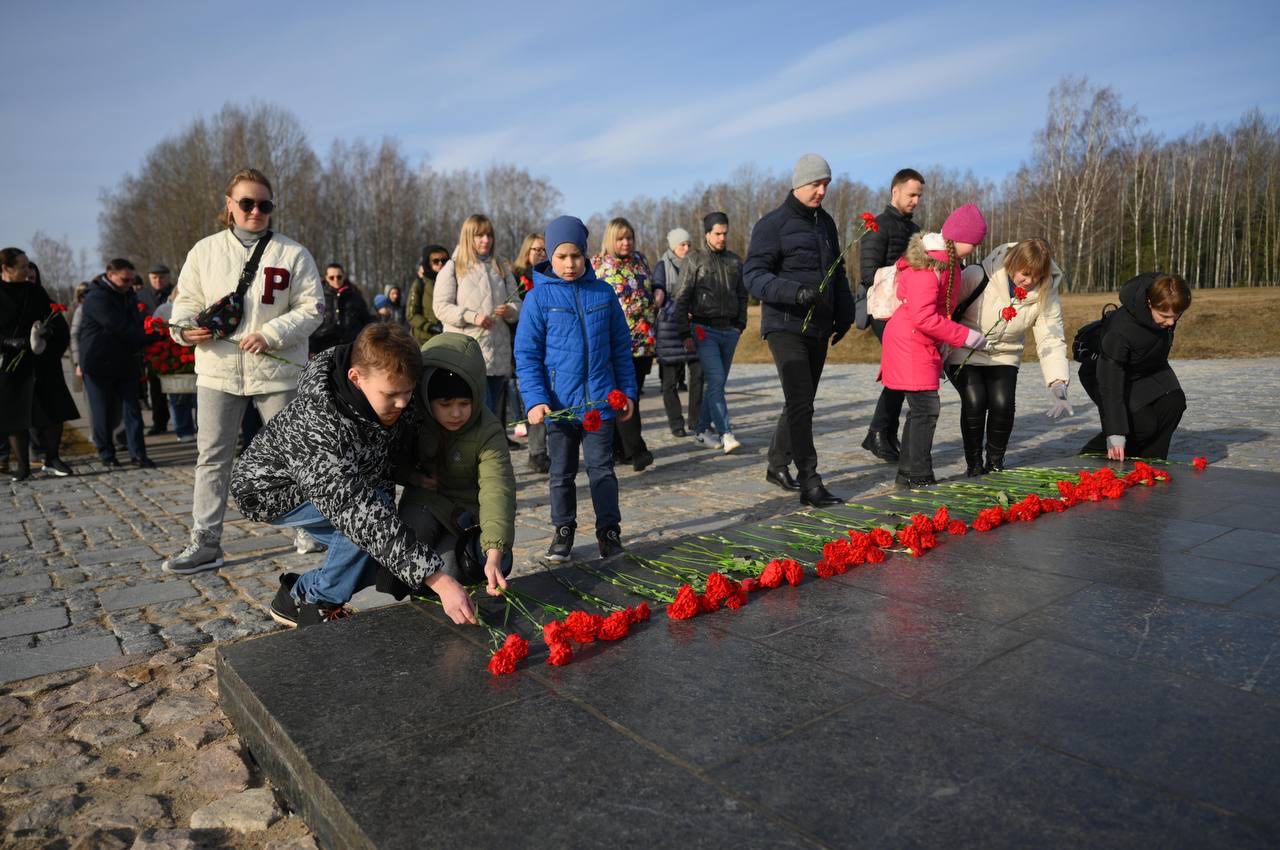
<point>909,357</point>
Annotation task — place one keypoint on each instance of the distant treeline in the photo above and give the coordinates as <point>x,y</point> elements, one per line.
<point>1110,197</point>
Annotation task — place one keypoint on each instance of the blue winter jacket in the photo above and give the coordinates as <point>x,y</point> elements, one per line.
<point>572,343</point>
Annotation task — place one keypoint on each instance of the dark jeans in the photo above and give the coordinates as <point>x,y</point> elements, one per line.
<point>629,437</point>
<point>495,395</point>
<point>183,406</point>
<point>671,394</point>
<point>111,399</point>
<point>916,458</point>
<point>799,361</point>
<point>159,404</point>
<point>986,405</point>
<point>889,405</point>
<point>1150,428</point>
<point>563,440</point>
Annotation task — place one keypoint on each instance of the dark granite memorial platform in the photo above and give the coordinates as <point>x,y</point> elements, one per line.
<point>1107,677</point>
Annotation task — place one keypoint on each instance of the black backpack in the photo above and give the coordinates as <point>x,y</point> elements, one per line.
<point>1087,343</point>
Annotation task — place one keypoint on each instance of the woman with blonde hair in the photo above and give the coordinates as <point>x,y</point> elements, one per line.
<point>626,270</point>
<point>475,295</point>
<point>1016,291</point>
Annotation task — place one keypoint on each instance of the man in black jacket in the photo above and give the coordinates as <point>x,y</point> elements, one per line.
<point>345,312</point>
<point>795,268</point>
<point>881,248</point>
<point>111,341</point>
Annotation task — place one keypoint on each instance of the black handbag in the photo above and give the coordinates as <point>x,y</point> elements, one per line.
<point>223,316</point>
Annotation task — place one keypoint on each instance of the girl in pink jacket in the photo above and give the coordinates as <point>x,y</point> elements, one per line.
<point>928,284</point>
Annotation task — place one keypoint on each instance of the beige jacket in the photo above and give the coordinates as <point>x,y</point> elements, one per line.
<point>461,304</point>
<point>1041,312</point>
<point>283,303</point>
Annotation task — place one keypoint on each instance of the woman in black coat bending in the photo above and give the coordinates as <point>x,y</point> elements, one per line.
<point>1137,394</point>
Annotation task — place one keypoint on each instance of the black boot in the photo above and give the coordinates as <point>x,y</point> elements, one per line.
<point>782,478</point>
<point>878,443</point>
<point>819,496</point>
<point>995,460</point>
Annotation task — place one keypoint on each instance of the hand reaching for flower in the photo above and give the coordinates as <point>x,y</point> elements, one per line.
<point>496,581</point>
<point>453,597</point>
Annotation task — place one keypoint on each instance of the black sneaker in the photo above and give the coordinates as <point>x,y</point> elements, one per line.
<point>284,608</point>
<point>561,548</point>
<point>57,468</point>
<point>314,613</point>
<point>540,463</point>
<point>610,542</point>
<point>642,461</point>
<point>144,463</point>
<point>111,463</point>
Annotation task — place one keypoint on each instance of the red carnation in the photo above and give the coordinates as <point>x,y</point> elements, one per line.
<point>561,654</point>
<point>685,605</point>
<point>869,222</point>
<point>750,585</point>
<point>1009,313</point>
<point>1020,293</point>
<point>58,308</point>
<point>592,420</point>
<point>736,599</point>
<point>941,518</point>
<point>517,646</point>
<point>881,537</point>
<point>617,399</point>
<point>1199,463</point>
<point>638,614</point>
<point>957,528</point>
<point>875,555</point>
<point>1163,475</point>
<point>719,588</point>
<point>615,626</point>
<point>772,575</point>
<point>502,662</point>
<point>583,627</point>
<point>142,308</point>
<point>554,632</point>
<point>793,572</point>
<point>700,333</point>
<point>706,604</point>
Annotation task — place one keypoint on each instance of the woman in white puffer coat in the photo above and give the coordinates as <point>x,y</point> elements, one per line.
<point>1020,294</point>
<point>258,363</point>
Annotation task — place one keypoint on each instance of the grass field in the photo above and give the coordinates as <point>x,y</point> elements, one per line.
<point>1221,323</point>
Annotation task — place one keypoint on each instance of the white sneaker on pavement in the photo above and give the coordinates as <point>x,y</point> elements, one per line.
<point>707,439</point>
<point>730,443</point>
<point>305,544</point>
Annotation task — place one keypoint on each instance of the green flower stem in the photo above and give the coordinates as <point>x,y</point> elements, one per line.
<point>589,598</point>
<point>631,584</point>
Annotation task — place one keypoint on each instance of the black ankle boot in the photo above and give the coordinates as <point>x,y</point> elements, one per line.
<point>995,461</point>
<point>877,442</point>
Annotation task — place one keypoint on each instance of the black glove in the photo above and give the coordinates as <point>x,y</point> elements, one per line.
<point>435,328</point>
<point>838,335</point>
<point>806,296</point>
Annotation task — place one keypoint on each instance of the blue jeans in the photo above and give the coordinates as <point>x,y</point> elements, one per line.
<point>563,440</point>
<point>346,569</point>
<point>495,394</point>
<point>715,353</point>
<point>109,400</point>
<point>182,406</point>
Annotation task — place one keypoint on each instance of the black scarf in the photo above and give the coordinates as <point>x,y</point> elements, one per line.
<point>351,401</point>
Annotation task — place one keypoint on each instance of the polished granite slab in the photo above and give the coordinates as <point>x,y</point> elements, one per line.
<point>1100,678</point>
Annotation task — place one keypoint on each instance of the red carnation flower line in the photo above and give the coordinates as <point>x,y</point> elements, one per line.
<point>592,420</point>
<point>700,332</point>
<point>1009,313</point>
<point>1019,293</point>
<point>869,222</point>
<point>617,399</point>
<point>1198,463</point>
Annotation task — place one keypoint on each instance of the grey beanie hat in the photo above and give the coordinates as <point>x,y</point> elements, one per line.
<point>810,168</point>
<point>676,236</point>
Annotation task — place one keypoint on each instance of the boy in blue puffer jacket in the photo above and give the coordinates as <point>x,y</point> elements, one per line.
<point>573,348</point>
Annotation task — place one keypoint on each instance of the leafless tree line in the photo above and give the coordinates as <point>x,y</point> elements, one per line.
<point>1112,198</point>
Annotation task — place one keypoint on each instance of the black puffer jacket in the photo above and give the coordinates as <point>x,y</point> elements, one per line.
<point>883,247</point>
<point>111,332</point>
<point>711,292</point>
<point>1133,369</point>
<point>669,344</point>
<point>345,315</point>
<point>793,246</point>
<point>315,451</point>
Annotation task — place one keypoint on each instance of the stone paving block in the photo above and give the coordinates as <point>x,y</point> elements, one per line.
<point>67,655</point>
<point>24,583</point>
<point>256,544</point>
<point>26,621</point>
<point>146,594</point>
<point>127,555</point>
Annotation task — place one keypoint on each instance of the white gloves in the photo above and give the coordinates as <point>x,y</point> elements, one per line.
<point>975,340</point>
<point>36,339</point>
<point>1061,407</point>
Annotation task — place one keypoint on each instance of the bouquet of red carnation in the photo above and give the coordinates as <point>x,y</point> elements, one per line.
<point>164,356</point>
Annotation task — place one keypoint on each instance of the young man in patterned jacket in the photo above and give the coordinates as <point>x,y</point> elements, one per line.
<point>323,464</point>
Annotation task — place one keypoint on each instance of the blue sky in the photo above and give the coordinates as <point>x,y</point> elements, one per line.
<point>607,101</point>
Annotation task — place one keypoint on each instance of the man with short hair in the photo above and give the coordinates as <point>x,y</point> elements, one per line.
<point>156,293</point>
<point>879,248</point>
<point>111,341</point>
<point>795,268</point>
<point>345,312</point>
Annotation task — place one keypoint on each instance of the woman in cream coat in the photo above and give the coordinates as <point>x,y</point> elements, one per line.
<point>476,295</point>
<point>259,362</point>
<point>1021,276</point>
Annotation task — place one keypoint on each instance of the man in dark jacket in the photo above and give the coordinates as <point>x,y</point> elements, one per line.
<point>111,342</point>
<point>159,288</point>
<point>795,268</point>
<point>881,248</point>
<point>345,312</point>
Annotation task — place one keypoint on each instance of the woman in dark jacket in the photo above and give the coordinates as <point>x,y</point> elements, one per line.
<point>53,403</point>
<point>23,307</point>
<point>673,360</point>
<point>1138,396</point>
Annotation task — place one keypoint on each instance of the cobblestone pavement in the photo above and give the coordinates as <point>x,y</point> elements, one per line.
<point>81,584</point>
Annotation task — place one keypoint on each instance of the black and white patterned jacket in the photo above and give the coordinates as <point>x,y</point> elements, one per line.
<point>312,452</point>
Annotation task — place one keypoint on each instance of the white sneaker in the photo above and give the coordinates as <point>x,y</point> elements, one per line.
<point>305,544</point>
<point>201,554</point>
<point>730,442</point>
<point>709,440</point>
<point>522,430</point>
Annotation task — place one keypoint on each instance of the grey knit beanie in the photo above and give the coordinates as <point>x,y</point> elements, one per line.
<point>810,168</point>
<point>676,236</point>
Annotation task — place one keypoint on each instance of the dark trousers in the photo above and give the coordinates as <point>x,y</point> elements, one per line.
<point>986,407</point>
<point>629,440</point>
<point>799,361</point>
<point>563,440</point>
<point>916,458</point>
<point>110,400</point>
<point>889,405</point>
<point>671,375</point>
<point>159,405</point>
<point>1150,428</point>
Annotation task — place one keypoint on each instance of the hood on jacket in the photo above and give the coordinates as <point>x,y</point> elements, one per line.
<point>460,354</point>
<point>542,273</point>
<point>1133,297</point>
<point>920,250</point>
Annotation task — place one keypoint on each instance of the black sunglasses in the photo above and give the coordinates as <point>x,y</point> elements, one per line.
<point>247,204</point>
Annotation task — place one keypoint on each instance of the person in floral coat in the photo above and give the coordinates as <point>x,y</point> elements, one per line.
<point>625,269</point>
